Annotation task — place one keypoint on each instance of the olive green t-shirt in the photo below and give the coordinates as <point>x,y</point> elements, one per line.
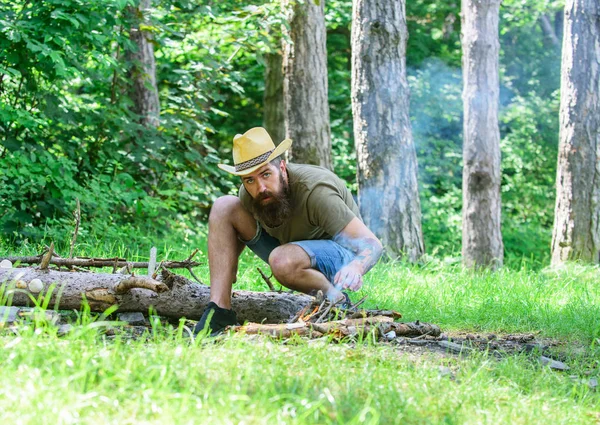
<point>323,205</point>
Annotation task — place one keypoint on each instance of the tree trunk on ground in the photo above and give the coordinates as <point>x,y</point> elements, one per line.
<point>576,234</point>
<point>179,297</point>
<point>274,117</point>
<point>143,68</point>
<point>387,162</point>
<point>305,83</point>
<point>481,236</point>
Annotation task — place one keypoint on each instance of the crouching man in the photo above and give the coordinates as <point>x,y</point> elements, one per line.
<point>300,219</point>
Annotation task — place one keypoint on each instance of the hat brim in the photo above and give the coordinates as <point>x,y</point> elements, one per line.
<point>281,148</point>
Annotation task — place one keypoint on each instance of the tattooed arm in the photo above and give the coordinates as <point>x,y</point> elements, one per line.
<point>360,240</point>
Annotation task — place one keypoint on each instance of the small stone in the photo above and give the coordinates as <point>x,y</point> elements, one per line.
<point>5,264</point>
<point>64,329</point>
<point>134,318</point>
<point>9,314</point>
<point>491,337</point>
<point>390,335</point>
<point>593,383</point>
<point>21,284</point>
<point>445,371</point>
<point>36,285</point>
<point>452,346</point>
<point>471,337</point>
<point>553,364</point>
<point>443,337</point>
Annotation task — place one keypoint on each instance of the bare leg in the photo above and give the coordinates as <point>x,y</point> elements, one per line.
<point>228,219</point>
<point>291,266</point>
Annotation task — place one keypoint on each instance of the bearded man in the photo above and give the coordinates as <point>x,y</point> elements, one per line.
<point>300,219</point>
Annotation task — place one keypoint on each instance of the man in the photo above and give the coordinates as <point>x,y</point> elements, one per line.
<point>301,219</point>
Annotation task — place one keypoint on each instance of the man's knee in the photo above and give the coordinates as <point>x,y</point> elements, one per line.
<point>285,260</point>
<point>224,206</point>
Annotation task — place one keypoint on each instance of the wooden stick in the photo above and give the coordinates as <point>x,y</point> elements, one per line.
<point>77,215</point>
<point>98,262</point>
<point>194,276</point>
<point>140,282</point>
<point>266,279</point>
<point>152,261</point>
<point>46,258</point>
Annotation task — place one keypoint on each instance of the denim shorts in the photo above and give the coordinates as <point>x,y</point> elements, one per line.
<point>326,256</point>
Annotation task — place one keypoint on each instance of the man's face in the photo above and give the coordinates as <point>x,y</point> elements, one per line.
<point>266,183</point>
<point>271,200</point>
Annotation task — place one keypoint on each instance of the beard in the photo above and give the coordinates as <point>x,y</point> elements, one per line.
<point>278,209</point>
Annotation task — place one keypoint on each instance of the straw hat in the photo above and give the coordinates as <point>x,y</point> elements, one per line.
<point>252,150</point>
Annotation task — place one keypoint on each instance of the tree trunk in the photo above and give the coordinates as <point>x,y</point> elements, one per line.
<point>387,162</point>
<point>175,296</point>
<point>576,234</point>
<point>481,236</point>
<point>549,31</point>
<point>305,83</point>
<point>143,68</point>
<point>274,117</point>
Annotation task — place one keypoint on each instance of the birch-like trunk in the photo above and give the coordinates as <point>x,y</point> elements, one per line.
<point>387,162</point>
<point>481,236</point>
<point>143,68</point>
<point>576,234</point>
<point>274,117</point>
<point>305,83</point>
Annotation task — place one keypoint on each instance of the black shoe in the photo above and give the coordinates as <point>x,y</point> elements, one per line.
<point>216,319</point>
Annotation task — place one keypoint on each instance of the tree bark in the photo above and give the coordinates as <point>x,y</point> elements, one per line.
<point>180,297</point>
<point>274,116</point>
<point>305,83</point>
<point>576,234</point>
<point>481,235</point>
<point>143,68</point>
<point>386,158</point>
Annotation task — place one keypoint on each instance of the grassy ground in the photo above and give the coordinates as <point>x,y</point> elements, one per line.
<point>87,378</point>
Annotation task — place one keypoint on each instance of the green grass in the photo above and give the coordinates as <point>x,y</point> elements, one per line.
<point>85,378</point>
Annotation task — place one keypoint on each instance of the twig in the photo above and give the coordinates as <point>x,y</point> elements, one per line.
<point>194,276</point>
<point>192,255</point>
<point>77,214</point>
<point>299,314</point>
<point>98,262</point>
<point>47,257</point>
<point>359,302</point>
<point>157,270</point>
<point>81,269</point>
<point>266,279</point>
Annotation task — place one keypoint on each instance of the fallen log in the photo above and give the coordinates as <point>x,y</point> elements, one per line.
<point>169,295</point>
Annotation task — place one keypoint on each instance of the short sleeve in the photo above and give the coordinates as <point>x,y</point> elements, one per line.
<point>327,210</point>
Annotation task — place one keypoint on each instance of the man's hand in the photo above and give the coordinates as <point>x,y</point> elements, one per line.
<point>349,277</point>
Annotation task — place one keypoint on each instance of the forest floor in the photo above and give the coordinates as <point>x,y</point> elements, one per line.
<point>519,346</point>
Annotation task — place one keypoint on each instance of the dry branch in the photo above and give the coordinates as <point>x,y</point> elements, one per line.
<point>77,215</point>
<point>140,282</point>
<point>46,258</point>
<point>99,262</point>
<point>380,325</point>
